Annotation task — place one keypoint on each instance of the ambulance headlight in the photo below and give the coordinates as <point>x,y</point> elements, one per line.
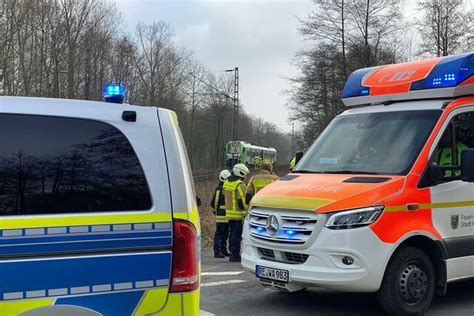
<point>354,218</point>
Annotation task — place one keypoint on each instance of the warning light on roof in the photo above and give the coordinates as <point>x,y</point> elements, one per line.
<point>444,77</point>
<point>114,92</point>
<point>449,72</point>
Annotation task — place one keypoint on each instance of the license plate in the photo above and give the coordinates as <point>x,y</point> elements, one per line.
<point>272,274</point>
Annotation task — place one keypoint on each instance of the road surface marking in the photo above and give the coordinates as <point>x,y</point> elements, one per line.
<point>222,273</point>
<point>204,313</point>
<point>222,283</point>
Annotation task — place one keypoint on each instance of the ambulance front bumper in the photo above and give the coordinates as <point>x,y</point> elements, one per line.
<point>346,260</point>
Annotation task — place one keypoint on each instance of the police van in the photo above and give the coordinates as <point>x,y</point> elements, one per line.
<point>383,201</point>
<point>98,213</point>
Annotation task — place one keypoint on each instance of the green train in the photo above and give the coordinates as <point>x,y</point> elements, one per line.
<point>246,153</point>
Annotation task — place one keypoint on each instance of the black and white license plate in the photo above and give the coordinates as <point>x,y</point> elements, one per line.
<point>272,274</point>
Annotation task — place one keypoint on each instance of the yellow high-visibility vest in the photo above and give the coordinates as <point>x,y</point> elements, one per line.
<point>445,159</point>
<point>231,189</point>
<point>260,180</point>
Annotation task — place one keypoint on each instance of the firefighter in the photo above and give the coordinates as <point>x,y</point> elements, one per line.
<point>222,225</point>
<point>263,178</point>
<point>236,208</point>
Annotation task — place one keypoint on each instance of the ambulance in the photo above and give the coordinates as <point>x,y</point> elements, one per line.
<point>98,214</point>
<point>383,201</point>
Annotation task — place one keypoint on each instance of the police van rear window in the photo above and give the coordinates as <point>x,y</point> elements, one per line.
<point>51,165</point>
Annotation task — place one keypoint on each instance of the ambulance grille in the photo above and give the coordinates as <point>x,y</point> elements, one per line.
<point>283,257</point>
<point>294,227</point>
<point>298,258</point>
<point>267,254</point>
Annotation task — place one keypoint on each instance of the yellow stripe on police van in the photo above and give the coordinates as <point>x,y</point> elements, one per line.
<point>152,299</point>
<point>81,219</point>
<point>18,307</point>
<point>289,202</point>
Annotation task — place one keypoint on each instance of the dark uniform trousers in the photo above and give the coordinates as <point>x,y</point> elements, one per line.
<point>235,236</point>
<point>220,237</point>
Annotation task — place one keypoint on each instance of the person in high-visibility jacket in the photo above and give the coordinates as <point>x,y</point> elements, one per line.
<point>446,158</point>
<point>263,178</point>
<point>295,159</point>
<point>236,208</point>
<point>292,163</point>
<point>445,154</point>
<point>222,224</point>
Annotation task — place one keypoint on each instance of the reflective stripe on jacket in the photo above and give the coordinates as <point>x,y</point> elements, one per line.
<point>218,204</point>
<point>260,180</point>
<point>234,192</point>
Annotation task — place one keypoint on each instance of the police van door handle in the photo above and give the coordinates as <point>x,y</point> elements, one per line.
<point>412,207</point>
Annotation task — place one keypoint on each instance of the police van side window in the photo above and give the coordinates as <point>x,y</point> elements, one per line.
<point>458,136</point>
<point>52,165</point>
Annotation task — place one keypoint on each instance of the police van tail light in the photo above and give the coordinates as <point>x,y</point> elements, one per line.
<point>184,272</point>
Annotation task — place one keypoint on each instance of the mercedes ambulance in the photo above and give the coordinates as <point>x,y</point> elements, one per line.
<point>98,213</point>
<point>383,201</point>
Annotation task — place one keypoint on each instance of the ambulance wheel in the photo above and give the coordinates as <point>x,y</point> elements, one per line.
<point>408,285</point>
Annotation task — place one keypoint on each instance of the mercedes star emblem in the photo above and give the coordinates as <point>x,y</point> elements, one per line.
<point>272,224</point>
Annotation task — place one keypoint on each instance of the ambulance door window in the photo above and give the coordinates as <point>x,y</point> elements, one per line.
<point>458,136</point>
<point>52,165</point>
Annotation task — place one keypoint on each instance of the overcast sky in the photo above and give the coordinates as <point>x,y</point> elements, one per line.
<point>259,37</point>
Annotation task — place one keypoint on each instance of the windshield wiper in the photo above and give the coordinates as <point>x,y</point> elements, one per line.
<point>350,172</point>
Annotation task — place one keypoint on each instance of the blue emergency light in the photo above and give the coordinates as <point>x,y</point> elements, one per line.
<point>114,92</point>
<point>354,87</point>
<point>449,72</point>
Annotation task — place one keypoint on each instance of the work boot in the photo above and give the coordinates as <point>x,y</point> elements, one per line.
<point>225,253</point>
<point>234,258</point>
<point>219,255</point>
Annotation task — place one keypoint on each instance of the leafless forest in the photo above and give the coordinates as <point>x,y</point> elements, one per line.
<point>344,35</point>
<point>71,48</point>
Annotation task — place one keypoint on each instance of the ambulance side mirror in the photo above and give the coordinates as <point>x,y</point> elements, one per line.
<point>435,173</point>
<point>467,165</point>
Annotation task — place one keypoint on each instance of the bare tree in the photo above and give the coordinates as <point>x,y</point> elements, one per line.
<point>157,60</point>
<point>328,23</point>
<point>446,26</point>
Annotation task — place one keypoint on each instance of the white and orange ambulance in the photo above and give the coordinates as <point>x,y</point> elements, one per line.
<point>383,201</point>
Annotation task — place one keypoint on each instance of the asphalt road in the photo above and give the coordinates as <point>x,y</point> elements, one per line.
<point>228,290</point>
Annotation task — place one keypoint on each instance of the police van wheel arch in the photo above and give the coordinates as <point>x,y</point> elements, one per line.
<point>409,282</point>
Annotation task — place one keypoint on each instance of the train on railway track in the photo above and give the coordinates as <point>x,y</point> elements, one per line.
<point>246,153</point>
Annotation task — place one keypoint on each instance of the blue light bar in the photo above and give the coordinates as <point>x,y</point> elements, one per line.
<point>449,72</point>
<point>354,87</point>
<point>114,92</point>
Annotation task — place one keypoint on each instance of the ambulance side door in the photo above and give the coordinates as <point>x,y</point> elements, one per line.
<point>452,200</point>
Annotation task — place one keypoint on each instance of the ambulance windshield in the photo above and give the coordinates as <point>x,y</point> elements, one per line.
<point>370,143</point>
